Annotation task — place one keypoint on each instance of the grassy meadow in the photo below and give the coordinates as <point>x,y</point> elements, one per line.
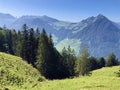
<point>16,74</point>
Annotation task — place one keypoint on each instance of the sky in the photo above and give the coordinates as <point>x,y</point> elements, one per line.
<point>66,10</point>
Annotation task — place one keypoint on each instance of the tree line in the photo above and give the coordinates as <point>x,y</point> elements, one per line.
<point>38,50</point>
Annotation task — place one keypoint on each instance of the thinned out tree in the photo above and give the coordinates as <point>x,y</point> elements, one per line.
<point>83,63</point>
<point>111,60</point>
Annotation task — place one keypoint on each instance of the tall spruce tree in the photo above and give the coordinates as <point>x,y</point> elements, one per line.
<point>93,63</point>
<point>3,43</point>
<point>9,42</point>
<point>43,63</point>
<point>14,41</point>
<point>48,58</point>
<point>32,47</point>
<point>101,62</point>
<point>19,45</point>
<point>69,59</point>
<point>25,43</point>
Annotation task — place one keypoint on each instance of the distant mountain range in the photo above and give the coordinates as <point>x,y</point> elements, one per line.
<point>101,35</point>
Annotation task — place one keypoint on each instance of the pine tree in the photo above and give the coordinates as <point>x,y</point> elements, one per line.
<point>48,58</point>
<point>101,62</point>
<point>25,43</point>
<point>3,43</point>
<point>14,41</point>
<point>43,55</point>
<point>111,60</point>
<point>19,45</point>
<point>37,36</point>
<point>69,60</point>
<point>83,63</point>
<point>93,63</point>
<point>9,42</point>
<point>32,47</point>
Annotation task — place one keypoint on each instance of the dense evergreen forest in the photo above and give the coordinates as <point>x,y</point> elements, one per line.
<point>37,48</point>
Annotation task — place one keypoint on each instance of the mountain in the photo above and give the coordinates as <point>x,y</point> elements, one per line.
<point>6,19</point>
<point>100,34</point>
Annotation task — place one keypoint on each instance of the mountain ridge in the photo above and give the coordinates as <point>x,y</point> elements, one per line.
<point>98,32</point>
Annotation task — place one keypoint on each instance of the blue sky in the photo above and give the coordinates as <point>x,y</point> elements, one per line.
<point>67,10</point>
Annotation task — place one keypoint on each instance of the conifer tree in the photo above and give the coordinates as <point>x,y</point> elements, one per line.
<point>32,47</point>
<point>25,44</point>
<point>93,63</point>
<point>14,41</point>
<point>101,62</point>
<point>19,44</point>
<point>48,59</point>
<point>83,63</point>
<point>111,60</point>
<point>69,60</point>
<point>9,42</point>
<point>3,43</point>
<point>43,55</point>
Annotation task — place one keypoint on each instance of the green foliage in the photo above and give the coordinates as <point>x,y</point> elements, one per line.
<point>83,63</point>
<point>69,59</point>
<point>18,48</point>
<point>3,44</point>
<point>111,60</point>
<point>47,60</point>
<point>25,43</point>
<point>93,63</point>
<point>32,47</point>
<point>118,73</point>
<point>101,62</point>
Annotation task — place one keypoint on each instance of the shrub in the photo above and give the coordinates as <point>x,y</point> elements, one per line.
<point>117,73</point>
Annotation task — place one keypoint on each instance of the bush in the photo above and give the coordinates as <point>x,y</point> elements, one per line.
<point>117,73</point>
<point>40,79</point>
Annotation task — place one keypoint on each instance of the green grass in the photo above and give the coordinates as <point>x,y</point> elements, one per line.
<point>16,74</point>
<point>102,79</point>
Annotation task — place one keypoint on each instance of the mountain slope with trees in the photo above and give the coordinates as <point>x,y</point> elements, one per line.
<point>99,33</point>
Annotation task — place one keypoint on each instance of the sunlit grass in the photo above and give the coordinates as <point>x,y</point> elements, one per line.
<point>102,79</point>
<point>16,74</point>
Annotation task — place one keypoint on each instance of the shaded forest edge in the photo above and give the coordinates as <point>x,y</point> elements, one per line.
<point>38,49</point>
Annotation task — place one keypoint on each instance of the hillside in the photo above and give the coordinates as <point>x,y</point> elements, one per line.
<point>14,72</point>
<point>101,79</point>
